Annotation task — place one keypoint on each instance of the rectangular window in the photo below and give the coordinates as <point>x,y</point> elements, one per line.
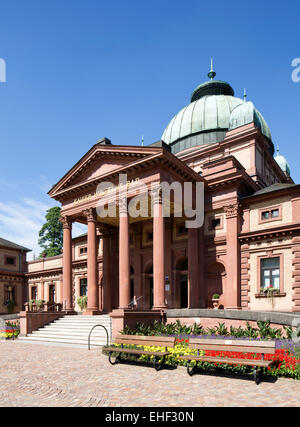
<point>270,214</point>
<point>270,271</point>
<point>83,287</point>
<point>34,294</point>
<point>275,213</point>
<point>10,293</point>
<point>83,251</point>
<point>265,215</point>
<point>216,222</point>
<point>10,260</point>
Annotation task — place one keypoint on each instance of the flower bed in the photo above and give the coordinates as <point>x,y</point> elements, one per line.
<point>11,330</point>
<point>286,360</point>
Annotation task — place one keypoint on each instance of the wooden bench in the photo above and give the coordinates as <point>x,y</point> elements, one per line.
<point>140,340</point>
<point>223,345</point>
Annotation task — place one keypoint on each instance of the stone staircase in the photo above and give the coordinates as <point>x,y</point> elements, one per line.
<point>73,331</point>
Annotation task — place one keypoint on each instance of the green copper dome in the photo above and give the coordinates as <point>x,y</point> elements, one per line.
<point>283,163</point>
<point>247,113</point>
<point>208,117</point>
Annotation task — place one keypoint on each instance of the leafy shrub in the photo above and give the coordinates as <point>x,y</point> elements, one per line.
<point>82,302</point>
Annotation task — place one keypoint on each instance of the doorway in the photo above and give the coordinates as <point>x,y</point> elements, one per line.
<point>52,294</point>
<point>183,281</point>
<point>149,296</point>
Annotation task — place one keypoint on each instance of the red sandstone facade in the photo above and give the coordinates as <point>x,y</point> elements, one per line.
<point>13,283</point>
<point>250,239</point>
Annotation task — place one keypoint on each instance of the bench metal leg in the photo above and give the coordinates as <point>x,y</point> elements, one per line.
<point>256,375</point>
<point>158,366</point>
<point>190,369</point>
<point>117,359</point>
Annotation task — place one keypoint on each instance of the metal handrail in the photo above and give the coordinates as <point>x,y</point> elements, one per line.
<point>89,339</point>
<point>134,301</point>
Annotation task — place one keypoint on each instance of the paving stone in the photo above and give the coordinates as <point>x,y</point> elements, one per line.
<point>35,375</point>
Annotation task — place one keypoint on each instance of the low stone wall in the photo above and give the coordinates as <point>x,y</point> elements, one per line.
<point>210,318</point>
<point>125,317</point>
<point>30,322</point>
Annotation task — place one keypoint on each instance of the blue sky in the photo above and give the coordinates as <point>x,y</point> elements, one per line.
<point>79,70</point>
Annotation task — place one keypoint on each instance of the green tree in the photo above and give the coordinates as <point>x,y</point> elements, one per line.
<point>51,234</point>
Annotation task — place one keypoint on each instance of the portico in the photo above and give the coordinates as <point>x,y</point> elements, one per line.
<point>129,221</point>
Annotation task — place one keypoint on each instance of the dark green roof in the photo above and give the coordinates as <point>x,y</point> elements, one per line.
<point>273,188</point>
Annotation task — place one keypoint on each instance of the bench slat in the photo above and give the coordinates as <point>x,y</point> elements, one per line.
<point>146,338</point>
<point>250,362</point>
<point>151,341</point>
<point>135,351</point>
<point>247,343</point>
<point>237,348</point>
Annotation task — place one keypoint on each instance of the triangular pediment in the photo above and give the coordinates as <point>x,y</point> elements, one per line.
<point>100,162</point>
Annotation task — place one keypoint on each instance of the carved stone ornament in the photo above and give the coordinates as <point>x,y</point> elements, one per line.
<point>123,205</point>
<point>66,222</point>
<point>232,211</point>
<point>156,195</point>
<point>90,214</point>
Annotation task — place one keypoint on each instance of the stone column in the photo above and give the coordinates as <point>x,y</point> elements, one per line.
<point>124,262</point>
<point>93,294</point>
<point>158,252</point>
<point>67,264</point>
<point>106,277</point>
<point>193,268</point>
<point>232,288</point>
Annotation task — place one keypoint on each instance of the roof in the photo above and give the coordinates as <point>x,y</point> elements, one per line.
<point>12,245</point>
<point>273,188</point>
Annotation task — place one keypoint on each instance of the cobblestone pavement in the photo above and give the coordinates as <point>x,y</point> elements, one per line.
<point>40,375</point>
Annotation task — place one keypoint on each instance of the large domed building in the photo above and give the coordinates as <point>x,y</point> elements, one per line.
<point>247,246</point>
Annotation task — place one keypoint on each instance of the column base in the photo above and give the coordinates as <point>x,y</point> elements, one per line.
<point>159,308</point>
<point>69,312</point>
<point>91,312</point>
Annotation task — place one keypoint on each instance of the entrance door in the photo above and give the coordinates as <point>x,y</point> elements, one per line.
<point>151,291</point>
<point>183,291</point>
<point>52,294</point>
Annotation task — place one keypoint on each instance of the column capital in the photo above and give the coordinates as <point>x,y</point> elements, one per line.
<point>66,221</point>
<point>123,206</point>
<point>232,211</point>
<point>156,195</point>
<point>90,214</point>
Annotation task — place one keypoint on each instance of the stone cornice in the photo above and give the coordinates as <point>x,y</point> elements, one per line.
<point>274,232</point>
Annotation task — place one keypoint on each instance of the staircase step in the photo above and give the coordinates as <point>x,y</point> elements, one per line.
<point>71,342</point>
<point>73,331</point>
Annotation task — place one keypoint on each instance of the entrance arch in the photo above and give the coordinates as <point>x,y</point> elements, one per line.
<point>216,276</point>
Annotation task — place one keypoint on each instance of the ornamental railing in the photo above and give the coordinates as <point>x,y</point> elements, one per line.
<point>47,307</point>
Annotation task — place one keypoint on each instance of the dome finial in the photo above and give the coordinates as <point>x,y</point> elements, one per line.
<point>278,150</point>
<point>212,74</point>
<point>245,95</point>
